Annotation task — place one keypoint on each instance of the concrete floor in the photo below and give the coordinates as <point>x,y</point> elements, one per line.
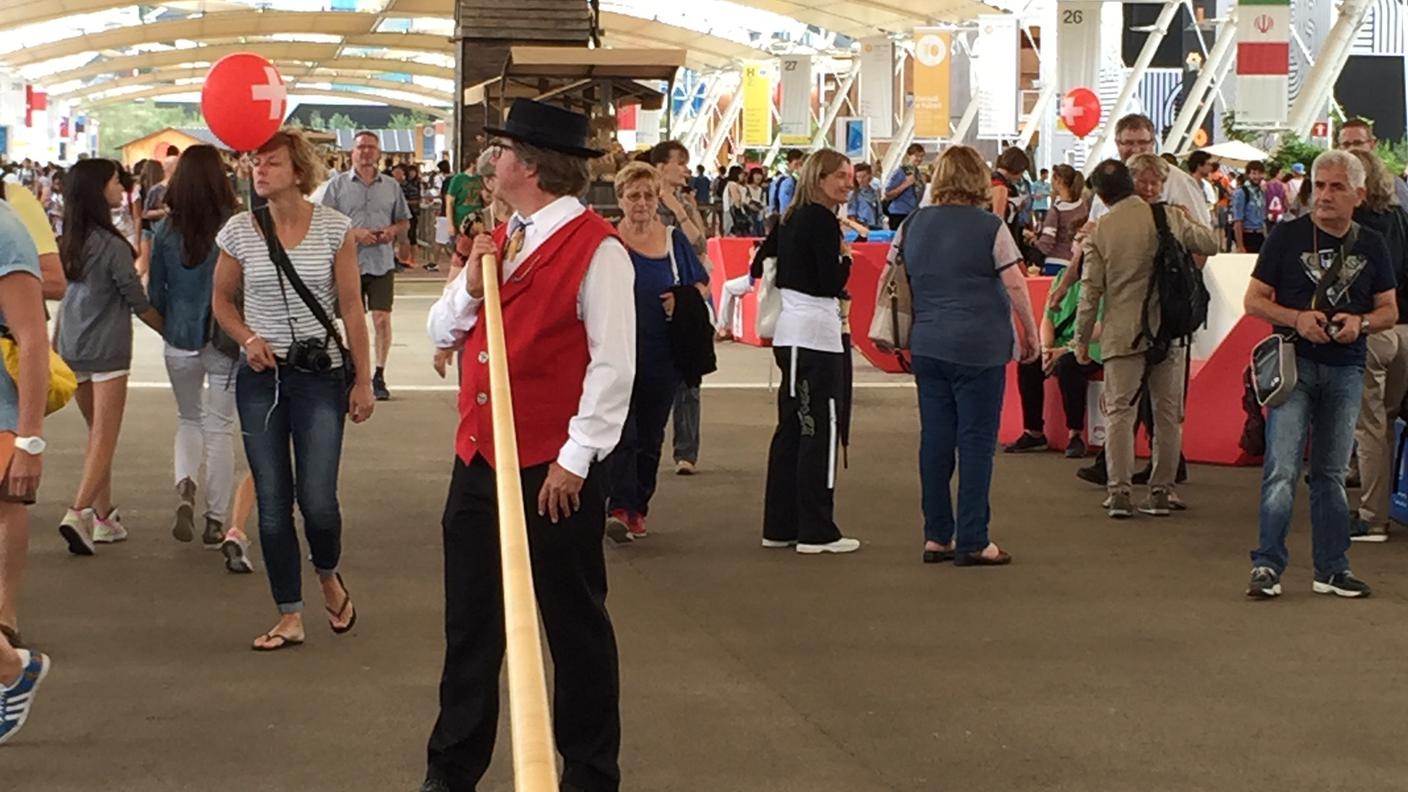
<point>1109,657</point>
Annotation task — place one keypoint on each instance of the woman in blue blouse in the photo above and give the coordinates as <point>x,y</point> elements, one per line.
<point>663,259</point>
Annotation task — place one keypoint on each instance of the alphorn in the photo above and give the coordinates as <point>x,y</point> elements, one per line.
<point>534,762</point>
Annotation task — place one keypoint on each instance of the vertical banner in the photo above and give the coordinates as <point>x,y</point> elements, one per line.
<point>932,55</point>
<point>757,104</point>
<point>852,138</point>
<point>1078,44</point>
<point>996,56</point>
<point>1263,61</point>
<point>877,85</point>
<point>796,111</point>
<point>648,127</point>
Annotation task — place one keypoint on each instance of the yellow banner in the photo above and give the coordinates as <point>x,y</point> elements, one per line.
<point>757,104</point>
<point>932,50</point>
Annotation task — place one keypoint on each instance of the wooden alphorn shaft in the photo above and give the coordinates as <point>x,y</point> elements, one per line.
<point>534,761</point>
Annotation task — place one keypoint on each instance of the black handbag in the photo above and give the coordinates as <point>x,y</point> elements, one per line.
<point>280,259</point>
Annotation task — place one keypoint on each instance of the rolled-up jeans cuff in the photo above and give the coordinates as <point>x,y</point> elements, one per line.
<point>291,607</point>
<point>324,574</point>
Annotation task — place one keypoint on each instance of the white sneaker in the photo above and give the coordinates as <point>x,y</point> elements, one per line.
<point>77,529</point>
<point>842,545</point>
<point>109,531</point>
<point>778,543</point>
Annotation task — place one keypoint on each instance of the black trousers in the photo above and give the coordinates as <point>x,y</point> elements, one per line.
<point>801,481</point>
<point>1253,240</point>
<point>569,578</point>
<point>1074,380</point>
<point>895,220</point>
<point>634,465</point>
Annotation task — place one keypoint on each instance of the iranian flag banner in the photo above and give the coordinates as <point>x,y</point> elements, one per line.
<point>1263,60</point>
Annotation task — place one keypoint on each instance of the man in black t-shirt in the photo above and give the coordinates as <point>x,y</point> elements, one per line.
<point>1331,319</point>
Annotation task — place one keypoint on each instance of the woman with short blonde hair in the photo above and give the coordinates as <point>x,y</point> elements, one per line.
<point>964,274</point>
<point>663,259</point>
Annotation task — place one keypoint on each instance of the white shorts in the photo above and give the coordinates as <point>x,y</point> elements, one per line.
<point>99,376</point>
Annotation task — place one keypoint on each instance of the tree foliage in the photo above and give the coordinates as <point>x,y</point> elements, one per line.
<point>409,120</point>
<point>124,122</point>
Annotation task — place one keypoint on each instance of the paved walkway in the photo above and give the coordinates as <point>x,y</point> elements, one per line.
<point>1109,657</point>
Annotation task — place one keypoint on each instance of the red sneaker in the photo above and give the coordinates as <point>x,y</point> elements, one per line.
<point>618,526</point>
<point>636,526</point>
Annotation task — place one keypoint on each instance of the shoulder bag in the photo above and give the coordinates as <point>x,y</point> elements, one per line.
<point>62,381</point>
<point>1274,373</point>
<point>279,256</point>
<point>894,305</point>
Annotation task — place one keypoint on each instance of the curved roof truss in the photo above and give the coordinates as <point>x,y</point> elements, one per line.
<point>357,30</point>
<point>394,101</point>
<point>276,51</point>
<point>293,74</point>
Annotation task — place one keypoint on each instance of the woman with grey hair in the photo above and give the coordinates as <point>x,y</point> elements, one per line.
<point>1385,364</point>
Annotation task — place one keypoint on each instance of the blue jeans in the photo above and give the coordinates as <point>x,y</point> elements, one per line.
<point>1324,406</point>
<point>276,407</point>
<point>960,408</point>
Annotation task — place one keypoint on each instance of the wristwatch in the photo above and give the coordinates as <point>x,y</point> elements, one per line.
<point>34,446</point>
<point>1364,325</point>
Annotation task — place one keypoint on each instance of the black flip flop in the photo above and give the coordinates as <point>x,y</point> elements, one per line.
<point>285,642</point>
<point>978,559</point>
<point>346,603</point>
<point>937,556</point>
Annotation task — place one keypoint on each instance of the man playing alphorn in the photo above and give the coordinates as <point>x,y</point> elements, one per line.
<point>569,320</point>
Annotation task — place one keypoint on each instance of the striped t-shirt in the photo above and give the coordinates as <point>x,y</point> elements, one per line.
<point>277,319</point>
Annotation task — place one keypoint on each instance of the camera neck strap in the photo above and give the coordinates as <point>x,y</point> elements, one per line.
<point>279,256</point>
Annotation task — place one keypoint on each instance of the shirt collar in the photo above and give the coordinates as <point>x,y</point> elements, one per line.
<point>548,219</point>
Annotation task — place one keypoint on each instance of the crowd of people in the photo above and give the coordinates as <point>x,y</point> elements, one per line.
<point>606,348</point>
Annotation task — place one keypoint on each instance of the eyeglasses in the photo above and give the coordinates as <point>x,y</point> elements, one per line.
<point>1148,141</point>
<point>498,147</point>
<point>639,197</point>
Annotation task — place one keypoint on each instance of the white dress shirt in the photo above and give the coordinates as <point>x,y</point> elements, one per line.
<point>605,304</point>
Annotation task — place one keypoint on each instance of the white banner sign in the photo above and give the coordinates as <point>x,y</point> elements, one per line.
<point>796,111</point>
<point>1078,44</point>
<point>996,71</point>
<point>877,85</point>
<point>648,127</point>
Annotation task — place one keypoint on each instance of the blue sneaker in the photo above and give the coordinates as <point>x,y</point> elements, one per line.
<point>15,702</point>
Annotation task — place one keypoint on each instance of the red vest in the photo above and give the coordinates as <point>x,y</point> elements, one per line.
<point>547,347</point>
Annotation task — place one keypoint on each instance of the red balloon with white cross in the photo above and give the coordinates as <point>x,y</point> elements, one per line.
<point>243,100</point>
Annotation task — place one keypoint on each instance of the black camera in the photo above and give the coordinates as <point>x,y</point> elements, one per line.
<point>310,354</point>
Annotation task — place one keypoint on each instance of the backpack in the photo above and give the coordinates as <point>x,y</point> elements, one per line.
<point>775,194</point>
<point>1183,298</point>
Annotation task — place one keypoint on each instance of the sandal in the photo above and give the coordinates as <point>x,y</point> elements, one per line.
<point>338,614</point>
<point>284,642</point>
<point>938,556</point>
<point>12,635</point>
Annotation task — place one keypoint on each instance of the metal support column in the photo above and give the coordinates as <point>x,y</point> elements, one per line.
<point>899,143</point>
<point>833,108</point>
<point>1320,82</point>
<point>723,130</point>
<point>1136,74</point>
<point>1215,68</point>
<point>1038,113</point>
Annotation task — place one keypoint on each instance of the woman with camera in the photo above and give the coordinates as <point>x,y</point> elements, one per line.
<point>297,265</point>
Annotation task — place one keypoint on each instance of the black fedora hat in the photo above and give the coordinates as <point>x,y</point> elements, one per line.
<point>547,126</point>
